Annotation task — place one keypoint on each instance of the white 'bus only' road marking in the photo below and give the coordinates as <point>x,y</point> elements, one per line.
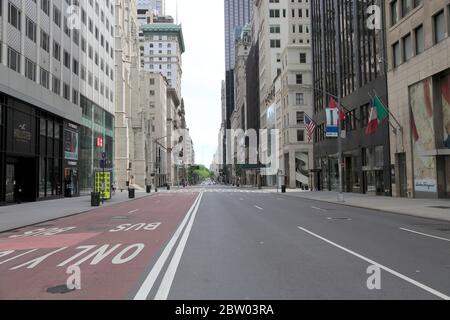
<point>42,232</point>
<point>425,234</point>
<point>98,254</point>
<point>150,280</point>
<point>393,272</point>
<point>136,227</point>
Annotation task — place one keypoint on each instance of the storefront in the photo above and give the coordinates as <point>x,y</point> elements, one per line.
<point>96,137</point>
<point>71,171</point>
<point>31,153</point>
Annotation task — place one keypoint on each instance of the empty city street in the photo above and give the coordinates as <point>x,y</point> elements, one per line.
<point>217,242</point>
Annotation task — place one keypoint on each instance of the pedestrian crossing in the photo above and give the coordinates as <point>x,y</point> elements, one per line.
<point>216,190</point>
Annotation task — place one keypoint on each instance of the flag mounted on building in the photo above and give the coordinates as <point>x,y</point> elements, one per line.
<point>310,126</point>
<point>378,112</point>
<point>334,105</point>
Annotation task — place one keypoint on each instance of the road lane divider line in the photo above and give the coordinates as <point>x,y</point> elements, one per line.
<point>389,270</point>
<point>133,211</point>
<point>425,234</point>
<point>167,281</point>
<point>259,208</point>
<point>18,256</point>
<point>317,208</point>
<point>150,280</point>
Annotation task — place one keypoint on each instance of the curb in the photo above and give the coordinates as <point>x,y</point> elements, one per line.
<point>75,214</point>
<point>370,208</point>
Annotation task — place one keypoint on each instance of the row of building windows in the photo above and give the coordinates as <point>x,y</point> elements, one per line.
<point>401,8</point>
<point>14,18</point>
<point>14,63</point>
<point>413,43</point>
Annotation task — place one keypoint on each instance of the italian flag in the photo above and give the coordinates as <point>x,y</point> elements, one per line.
<point>378,113</point>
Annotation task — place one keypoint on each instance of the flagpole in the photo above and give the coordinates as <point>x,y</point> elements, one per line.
<point>338,66</point>
<point>372,98</point>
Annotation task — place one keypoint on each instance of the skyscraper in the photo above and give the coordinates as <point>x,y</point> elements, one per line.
<point>158,5</point>
<point>237,14</point>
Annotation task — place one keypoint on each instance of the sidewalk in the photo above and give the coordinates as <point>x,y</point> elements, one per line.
<point>424,208</point>
<point>25,214</point>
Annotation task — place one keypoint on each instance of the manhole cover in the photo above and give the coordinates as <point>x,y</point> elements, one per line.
<point>440,207</point>
<point>120,218</point>
<point>60,289</point>
<point>348,219</point>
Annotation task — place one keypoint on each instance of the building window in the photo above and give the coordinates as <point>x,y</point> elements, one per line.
<point>30,70</point>
<point>275,29</point>
<point>439,27</point>
<point>45,6</point>
<point>407,47</point>
<point>299,78</point>
<point>274,13</point>
<point>14,16</point>
<point>45,78</point>
<point>420,41</point>
<point>299,98</point>
<point>13,60</point>
<point>66,91</point>
<point>66,59</point>
<point>275,43</point>
<point>56,51</point>
<point>396,54</point>
<point>300,135</point>
<point>56,86</point>
<point>75,96</point>
<point>300,117</point>
<point>45,41</point>
<point>30,30</point>
<point>302,57</point>
<point>57,16</point>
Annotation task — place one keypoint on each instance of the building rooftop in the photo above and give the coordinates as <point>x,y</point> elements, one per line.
<point>167,29</point>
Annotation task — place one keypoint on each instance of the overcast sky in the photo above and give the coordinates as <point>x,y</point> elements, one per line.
<point>203,70</point>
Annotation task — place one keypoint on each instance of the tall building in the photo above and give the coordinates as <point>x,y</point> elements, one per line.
<point>127,86</point>
<point>361,66</point>
<point>156,6</point>
<point>418,47</point>
<point>296,98</point>
<point>56,97</point>
<point>162,51</point>
<point>237,14</point>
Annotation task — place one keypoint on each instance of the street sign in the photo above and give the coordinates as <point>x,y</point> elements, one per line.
<point>103,164</point>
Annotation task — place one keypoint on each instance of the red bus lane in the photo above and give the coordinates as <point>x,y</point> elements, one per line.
<point>101,254</point>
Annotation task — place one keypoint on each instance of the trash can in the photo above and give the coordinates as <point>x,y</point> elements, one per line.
<point>149,189</point>
<point>168,187</point>
<point>95,199</point>
<point>283,189</point>
<point>131,193</point>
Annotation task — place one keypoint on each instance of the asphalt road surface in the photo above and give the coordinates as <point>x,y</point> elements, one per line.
<point>226,243</point>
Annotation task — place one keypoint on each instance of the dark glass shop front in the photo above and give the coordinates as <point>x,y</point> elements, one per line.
<point>31,147</point>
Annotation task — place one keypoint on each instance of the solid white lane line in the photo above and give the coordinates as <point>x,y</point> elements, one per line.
<point>259,208</point>
<point>149,281</point>
<point>317,208</point>
<point>393,272</point>
<point>425,234</point>
<point>133,211</point>
<point>167,281</point>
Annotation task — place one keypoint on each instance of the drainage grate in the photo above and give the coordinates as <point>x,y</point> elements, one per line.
<point>62,289</point>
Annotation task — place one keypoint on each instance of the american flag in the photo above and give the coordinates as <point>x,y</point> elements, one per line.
<point>310,127</point>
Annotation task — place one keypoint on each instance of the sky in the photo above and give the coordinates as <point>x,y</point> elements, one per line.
<point>203,70</point>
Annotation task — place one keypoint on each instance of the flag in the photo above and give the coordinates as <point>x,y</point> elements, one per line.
<point>341,112</point>
<point>310,127</point>
<point>381,109</point>
<point>372,125</point>
<point>378,112</point>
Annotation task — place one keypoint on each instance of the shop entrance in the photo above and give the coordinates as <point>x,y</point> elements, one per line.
<point>20,180</point>
<point>70,182</point>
